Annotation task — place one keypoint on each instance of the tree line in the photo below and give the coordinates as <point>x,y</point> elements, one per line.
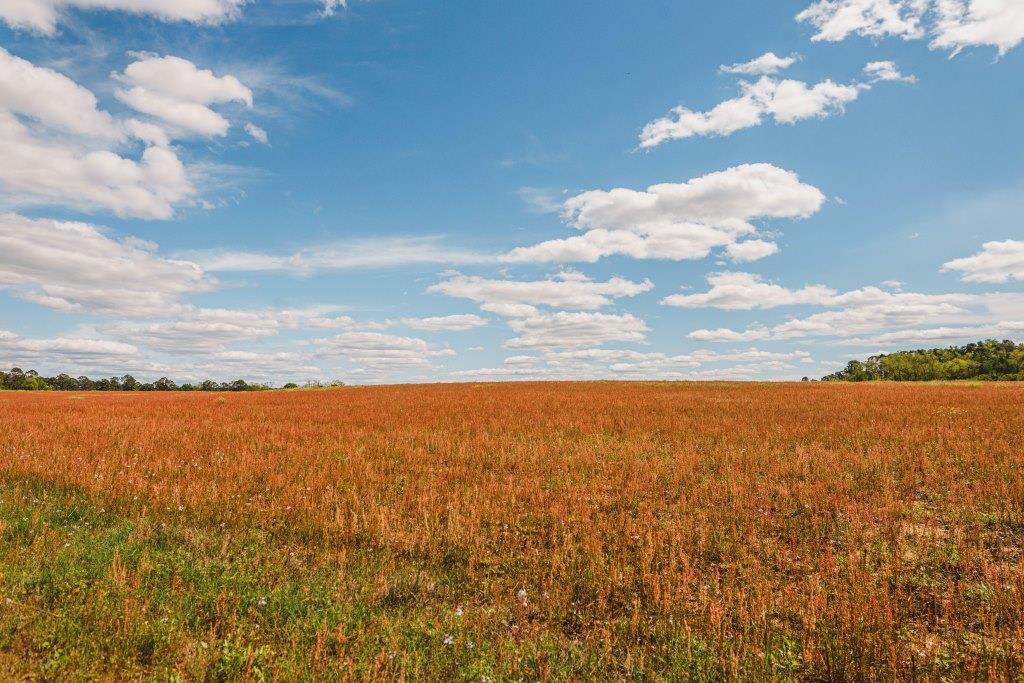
<point>30,380</point>
<point>984,360</point>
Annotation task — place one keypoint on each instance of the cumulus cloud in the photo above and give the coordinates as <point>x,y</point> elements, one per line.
<point>868,310</point>
<point>951,24</point>
<point>42,16</point>
<point>677,221</point>
<point>60,148</point>
<point>767,64</point>
<point>74,267</point>
<point>837,19</point>
<point>52,98</point>
<point>996,262</point>
<point>567,290</point>
<point>785,101</point>
<point>573,329</point>
<point>179,93</point>
<point>445,323</point>
<point>595,363</point>
<point>746,291</point>
<point>940,334</point>
<point>966,23</point>
<point>375,355</point>
<point>886,71</point>
<point>750,250</point>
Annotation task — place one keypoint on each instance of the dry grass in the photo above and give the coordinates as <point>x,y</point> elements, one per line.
<point>595,530</point>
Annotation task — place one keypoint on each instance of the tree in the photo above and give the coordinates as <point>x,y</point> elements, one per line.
<point>989,359</point>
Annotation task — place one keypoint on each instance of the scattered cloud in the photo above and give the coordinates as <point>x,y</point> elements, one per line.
<point>886,71</point>
<point>767,64</point>
<point>568,289</point>
<point>42,16</point>
<point>575,329</point>
<point>852,314</point>
<point>745,291</point>
<point>996,262</point>
<point>60,148</point>
<point>178,93</point>
<point>74,267</point>
<point>677,221</point>
<point>628,364</point>
<point>445,323</point>
<point>750,250</point>
<point>332,6</point>
<point>257,133</point>
<point>786,101</point>
<point>373,252</point>
<point>950,24</point>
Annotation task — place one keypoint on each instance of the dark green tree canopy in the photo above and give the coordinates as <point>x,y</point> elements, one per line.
<point>20,380</point>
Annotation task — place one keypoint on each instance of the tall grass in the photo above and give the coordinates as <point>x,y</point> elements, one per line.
<point>658,531</point>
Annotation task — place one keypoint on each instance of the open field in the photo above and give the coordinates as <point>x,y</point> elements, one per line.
<point>505,531</point>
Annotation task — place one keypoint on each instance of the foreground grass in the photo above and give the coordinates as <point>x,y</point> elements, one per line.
<point>88,591</point>
<point>534,532</point>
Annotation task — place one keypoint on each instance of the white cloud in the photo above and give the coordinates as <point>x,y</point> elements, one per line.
<point>676,221</point>
<point>767,64</point>
<point>566,329</point>
<point>74,267</point>
<point>179,93</point>
<point>257,133</point>
<point>750,250</point>
<point>837,19</point>
<point>52,98</point>
<point>30,353</point>
<point>60,148</point>
<point>996,262</point>
<point>869,310</point>
<point>445,323</point>
<point>940,334</point>
<point>567,290</point>
<point>786,101</point>
<point>377,252</point>
<point>746,291</point>
<point>886,71</point>
<point>331,6</point>
<point>37,171</point>
<point>951,24</point>
<point>966,23</point>
<point>375,356</point>
<point>190,330</point>
<point>723,334</point>
<point>41,16</point>
<point>628,364</point>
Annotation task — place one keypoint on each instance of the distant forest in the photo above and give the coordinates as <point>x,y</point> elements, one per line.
<point>985,360</point>
<point>30,380</point>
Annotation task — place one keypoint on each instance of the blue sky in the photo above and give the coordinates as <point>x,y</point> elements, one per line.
<point>414,191</point>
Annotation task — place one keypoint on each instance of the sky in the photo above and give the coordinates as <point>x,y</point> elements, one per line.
<point>411,191</point>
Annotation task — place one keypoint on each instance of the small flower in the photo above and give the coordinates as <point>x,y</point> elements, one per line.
<point>449,640</point>
<point>521,595</point>
<point>458,611</point>
<point>262,602</point>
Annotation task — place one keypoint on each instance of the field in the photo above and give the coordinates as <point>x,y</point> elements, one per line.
<point>537,531</point>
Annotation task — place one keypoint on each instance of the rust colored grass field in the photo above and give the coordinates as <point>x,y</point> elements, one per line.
<point>658,531</point>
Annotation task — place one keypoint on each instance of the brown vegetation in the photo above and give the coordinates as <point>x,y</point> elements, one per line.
<point>829,531</point>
